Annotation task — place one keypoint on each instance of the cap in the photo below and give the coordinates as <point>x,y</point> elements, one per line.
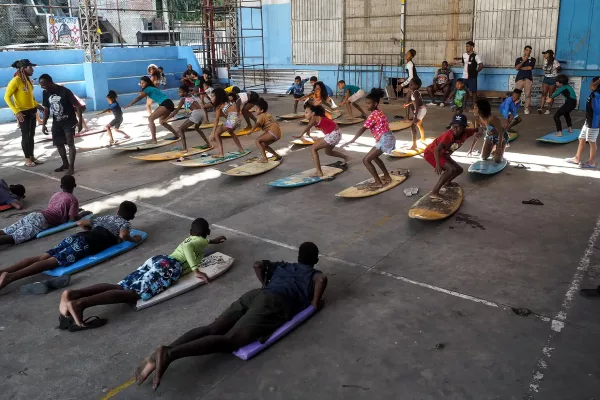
<point>23,63</point>
<point>152,66</point>
<point>459,119</point>
<point>551,52</point>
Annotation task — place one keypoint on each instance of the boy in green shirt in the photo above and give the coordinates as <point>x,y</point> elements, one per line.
<point>153,277</point>
<point>351,95</point>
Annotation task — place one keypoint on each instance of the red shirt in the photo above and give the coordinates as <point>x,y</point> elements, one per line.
<point>378,124</point>
<point>327,125</point>
<point>451,142</point>
<point>62,205</point>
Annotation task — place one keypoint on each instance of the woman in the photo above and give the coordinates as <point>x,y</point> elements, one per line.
<point>551,69</point>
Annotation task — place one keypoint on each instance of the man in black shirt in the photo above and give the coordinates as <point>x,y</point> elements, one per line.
<point>62,104</point>
<point>186,79</point>
<point>524,78</point>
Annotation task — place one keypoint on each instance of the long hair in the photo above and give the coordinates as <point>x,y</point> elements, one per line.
<point>21,73</point>
<point>220,97</point>
<point>324,94</point>
<point>147,80</point>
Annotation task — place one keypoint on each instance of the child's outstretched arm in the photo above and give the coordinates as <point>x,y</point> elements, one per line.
<point>218,240</point>
<point>358,134</point>
<point>140,97</point>
<point>345,99</point>
<point>125,235</point>
<point>179,106</point>
<point>320,282</point>
<point>306,130</point>
<point>103,111</point>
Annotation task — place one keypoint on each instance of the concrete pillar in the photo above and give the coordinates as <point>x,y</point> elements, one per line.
<point>96,85</point>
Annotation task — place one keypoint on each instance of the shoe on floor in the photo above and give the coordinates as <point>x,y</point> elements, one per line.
<point>547,112</point>
<point>527,111</point>
<point>44,287</point>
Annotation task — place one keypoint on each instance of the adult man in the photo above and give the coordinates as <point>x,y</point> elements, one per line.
<point>60,102</point>
<point>288,288</point>
<point>472,66</point>
<point>185,77</point>
<point>524,77</point>
<point>442,81</point>
<point>24,106</point>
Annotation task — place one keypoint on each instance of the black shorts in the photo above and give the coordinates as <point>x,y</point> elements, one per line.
<point>168,104</point>
<point>298,96</point>
<point>60,131</point>
<point>253,97</point>
<point>115,123</point>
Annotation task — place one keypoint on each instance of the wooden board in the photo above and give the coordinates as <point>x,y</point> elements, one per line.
<point>307,177</point>
<point>179,117</point>
<point>512,136</point>
<point>206,160</point>
<point>349,121</point>
<point>77,135</point>
<point>213,265</point>
<point>238,132</point>
<point>565,138</point>
<point>362,189</point>
<point>291,116</point>
<point>334,115</point>
<point>399,125</point>
<point>173,154</point>
<point>145,146</point>
<point>204,126</point>
<point>405,152</point>
<point>5,207</point>
<point>431,210</point>
<point>253,167</point>
<point>487,167</point>
<point>303,142</point>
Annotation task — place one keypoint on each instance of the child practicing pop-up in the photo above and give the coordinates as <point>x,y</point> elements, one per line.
<point>115,108</point>
<point>226,105</point>
<point>152,278</point>
<point>297,89</point>
<point>377,122</point>
<point>419,111</point>
<point>99,234</point>
<point>352,94</point>
<point>510,109</point>
<point>589,132</point>
<point>317,118</point>
<point>192,103</point>
<point>496,138</point>
<point>272,131</point>
<point>562,82</point>
<point>439,151</point>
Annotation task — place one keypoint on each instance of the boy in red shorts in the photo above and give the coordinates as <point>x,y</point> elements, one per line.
<point>438,153</point>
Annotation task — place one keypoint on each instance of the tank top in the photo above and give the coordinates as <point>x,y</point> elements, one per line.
<point>327,125</point>
<point>226,107</point>
<point>189,100</point>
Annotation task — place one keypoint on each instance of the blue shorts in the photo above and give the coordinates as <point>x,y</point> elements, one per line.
<point>471,84</point>
<point>386,143</point>
<point>549,81</point>
<point>72,248</point>
<point>494,138</point>
<point>506,115</point>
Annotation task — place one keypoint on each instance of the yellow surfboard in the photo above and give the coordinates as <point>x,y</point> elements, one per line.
<point>291,116</point>
<point>349,121</point>
<point>239,132</point>
<point>145,146</point>
<point>405,152</point>
<point>204,126</point>
<point>399,125</point>
<point>252,167</point>
<point>303,142</point>
<point>362,189</point>
<point>432,210</point>
<point>174,154</point>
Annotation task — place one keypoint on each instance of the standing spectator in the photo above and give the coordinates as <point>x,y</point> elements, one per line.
<point>442,81</point>
<point>472,66</point>
<point>524,78</point>
<point>551,69</point>
<point>185,77</point>
<point>411,71</point>
<point>19,97</point>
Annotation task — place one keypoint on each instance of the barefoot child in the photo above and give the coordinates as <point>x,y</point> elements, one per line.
<point>351,95</point>
<point>165,106</point>
<point>272,131</point>
<point>589,132</point>
<point>510,109</point>
<point>99,234</point>
<point>115,108</point>
<point>439,152</point>
<point>319,96</point>
<point>297,89</point>
<point>317,118</point>
<point>377,122</point>
<point>152,278</point>
<point>419,111</point>
<point>245,102</point>
<point>496,138</point>
<point>191,102</point>
<point>226,105</point>
<point>562,82</point>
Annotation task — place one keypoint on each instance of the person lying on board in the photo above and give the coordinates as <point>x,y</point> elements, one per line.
<point>12,195</point>
<point>287,289</point>
<point>99,234</point>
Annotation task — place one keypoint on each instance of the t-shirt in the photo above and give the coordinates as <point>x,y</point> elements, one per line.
<point>551,71</point>
<point>190,253</point>
<point>116,110</point>
<point>243,96</point>
<point>378,123</point>
<point>567,91</point>
<point>525,74</point>
<point>59,105</point>
<point>267,123</point>
<point>112,223</point>
<point>352,89</point>
<point>292,281</point>
<point>508,106</point>
<point>327,125</point>
<point>451,142</point>
<point>188,72</point>
<point>458,96</point>
<point>466,58</point>
<point>155,94</point>
<point>592,111</point>
<point>6,196</point>
<point>443,76</point>
<point>61,208</point>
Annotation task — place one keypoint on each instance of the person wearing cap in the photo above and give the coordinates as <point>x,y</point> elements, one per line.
<point>19,98</point>
<point>439,152</point>
<point>524,79</point>
<point>551,68</point>
<point>472,66</point>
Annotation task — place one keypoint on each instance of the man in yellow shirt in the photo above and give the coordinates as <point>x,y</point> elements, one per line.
<point>19,97</point>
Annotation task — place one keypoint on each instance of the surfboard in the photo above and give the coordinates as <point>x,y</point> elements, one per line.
<point>362,189</point>
<point>405,152</point>
<point>204,126</point>
<point>334,115</point>
<point>206,160</point>
<point>5,207</point>
<point>487,167</point>
<point>179,117</point>
<point>399,125</point>
<point>512,136</point>
<point>173,154</point>
<point>432,210</point>
<point>61,227</point>
<point>239,132</point>
<point>291,116</point>
<point>252,167</point>
<point>144,146</point>
<point>307,177</point>
<point>565,138</point>
<point>303,142</point>
<point>349,121</point>
<point>213,265</point>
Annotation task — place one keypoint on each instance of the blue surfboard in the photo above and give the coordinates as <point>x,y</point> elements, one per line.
<point>487,167</point>
<point>308,177</point>
<point>565,138</point>
<point>96,259</point>
<point>61,227</point>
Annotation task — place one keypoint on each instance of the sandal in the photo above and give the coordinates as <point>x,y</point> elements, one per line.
<point>587,166</point>
<point>61,168</point>
<point>90,323</point>
<point>30,164</point>
<point>572,161</point>
<point>534,202</point>
<point>65,322</point>
<point>590,292</point>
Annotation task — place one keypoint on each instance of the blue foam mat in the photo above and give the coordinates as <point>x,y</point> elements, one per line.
<point>565,138</point>
<point>61,227</point>
<point>104,255</point>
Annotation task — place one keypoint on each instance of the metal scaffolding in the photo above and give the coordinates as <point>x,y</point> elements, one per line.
<point>90,31</point>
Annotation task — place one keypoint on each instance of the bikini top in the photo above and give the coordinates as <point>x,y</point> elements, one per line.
<point>226,107</point>
<point>189,100</point>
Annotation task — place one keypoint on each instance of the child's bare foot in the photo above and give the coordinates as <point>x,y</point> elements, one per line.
<point>145,369</point>
<point>218,156</point>
<point>318,174</point>
<point>386,180</point>
<point>570,129</point>
<point>65,297</point>
<point>4,280</point>
<point>375,185</point>
<point>346,160</point>
<point>263,160</point>
<point>413,147</point>
<point>75,312</point>
<point>240,150</point>
<point>162,363</point>
<point>558,134</point>
<point>436,196</point>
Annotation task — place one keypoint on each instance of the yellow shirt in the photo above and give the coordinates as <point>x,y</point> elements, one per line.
<point>190,253</point>
<point>22,93</point>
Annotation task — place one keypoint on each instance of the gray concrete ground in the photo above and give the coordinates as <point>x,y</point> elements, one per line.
<point>397,288</point>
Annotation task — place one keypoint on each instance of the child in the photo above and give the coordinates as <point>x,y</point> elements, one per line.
<point>377,122</point>
<point>351,95</point>
<point>317,118</point>
<point>551,68</point>
<point>83,128</point>
<point>226,105</point>
<point>153,277</point>
<point>12,195</point>
<point>297,89</point>
<point>411,71</point>
<point>62,207</point>
<point>323,88</point>
<point>494,142</point>
<point>115,108</point>
<point>510,108</point>
<point>439,151</point>
<point>165,106</point>
<point>458,98</point>
<point>154,76</point>
<point>319,97</point>
<point>419,111</point>
<point>245,102</point>
<point>163,78</point>
<point>562,82</point>
<point>99,234</point>
<point>272,131</point>
<point>589,132</point>
<point>208,94</point>
<point>191,103</point>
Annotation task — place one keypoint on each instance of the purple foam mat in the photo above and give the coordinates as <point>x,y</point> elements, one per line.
<point>252,349</point>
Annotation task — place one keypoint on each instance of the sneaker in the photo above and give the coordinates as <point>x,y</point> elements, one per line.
<point>547,112</point>
<point>527,111</point>
<point>431,105</point>
<point>442,104</point>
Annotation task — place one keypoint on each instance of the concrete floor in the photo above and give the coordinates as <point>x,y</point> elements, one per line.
<point>397,286</point>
